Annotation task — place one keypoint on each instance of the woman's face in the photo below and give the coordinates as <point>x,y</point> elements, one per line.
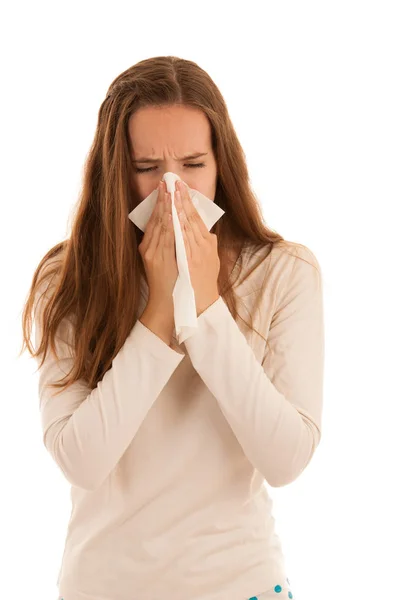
<point>166,136</point>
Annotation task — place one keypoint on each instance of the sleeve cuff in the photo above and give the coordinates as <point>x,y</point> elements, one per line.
<point>156,346</point>
<point>213,312</point>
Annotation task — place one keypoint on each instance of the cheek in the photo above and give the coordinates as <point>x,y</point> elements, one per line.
<point>144,186</point>
<point>146,190</point>
<point>204,182</point>
<point>210,186</point>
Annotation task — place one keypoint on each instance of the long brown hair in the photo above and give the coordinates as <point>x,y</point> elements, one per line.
<point>95,274</point>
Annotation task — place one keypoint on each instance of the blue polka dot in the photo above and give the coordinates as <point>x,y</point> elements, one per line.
<point>253,598</point>
<point>277,588</point>
<point>290,594</point>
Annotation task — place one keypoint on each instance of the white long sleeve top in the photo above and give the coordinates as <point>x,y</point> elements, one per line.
<point>170,457</point>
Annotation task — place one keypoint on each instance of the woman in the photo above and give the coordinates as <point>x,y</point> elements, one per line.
<point>168,448</point>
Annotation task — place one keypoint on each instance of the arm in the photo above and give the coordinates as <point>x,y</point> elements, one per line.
<point>87,431</point>
<point>274,408</point>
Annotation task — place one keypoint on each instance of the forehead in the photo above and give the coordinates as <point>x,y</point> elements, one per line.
<point>180,128</point>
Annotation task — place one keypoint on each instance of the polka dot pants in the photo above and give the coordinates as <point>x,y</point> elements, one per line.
<point>281,591</point>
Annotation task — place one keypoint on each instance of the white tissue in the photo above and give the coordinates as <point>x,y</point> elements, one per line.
<point>185,314</point>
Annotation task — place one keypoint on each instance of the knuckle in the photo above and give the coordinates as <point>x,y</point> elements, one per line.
<point>146,256</point>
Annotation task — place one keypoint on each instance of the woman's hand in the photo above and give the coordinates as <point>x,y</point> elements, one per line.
<point>201,250</point>
<point>157,250</point>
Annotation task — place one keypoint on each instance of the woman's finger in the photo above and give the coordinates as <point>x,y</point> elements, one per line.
<point>155,230</point>
<point>169,236</point>
<point>154,218</point>
<point>163,227</point>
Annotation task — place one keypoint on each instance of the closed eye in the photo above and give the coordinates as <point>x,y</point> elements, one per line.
<point>152,168</point>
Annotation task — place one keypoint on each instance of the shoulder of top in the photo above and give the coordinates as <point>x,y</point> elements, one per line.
<point>300,267</point>
<point>296,255</point>
<point>284,252</point>
<point>286,261</point>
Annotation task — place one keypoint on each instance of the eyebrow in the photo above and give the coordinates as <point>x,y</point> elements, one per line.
<point>154,160</point>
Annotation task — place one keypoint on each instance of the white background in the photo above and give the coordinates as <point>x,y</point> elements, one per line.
<point>313,92</point>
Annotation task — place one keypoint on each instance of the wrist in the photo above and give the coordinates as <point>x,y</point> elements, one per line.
<point>159,322</point>
<point>201,307</point>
